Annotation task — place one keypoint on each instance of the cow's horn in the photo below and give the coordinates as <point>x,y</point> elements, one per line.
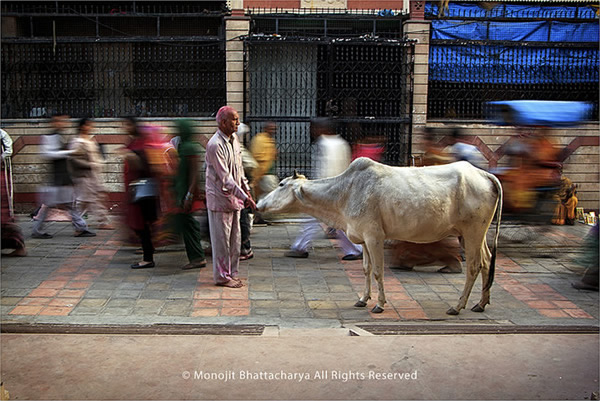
<point>295,174</point>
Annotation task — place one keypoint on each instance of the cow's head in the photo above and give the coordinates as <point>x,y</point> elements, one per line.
<point>286,198</point>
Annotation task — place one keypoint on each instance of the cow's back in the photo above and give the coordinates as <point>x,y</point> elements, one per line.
<point>418,204</point>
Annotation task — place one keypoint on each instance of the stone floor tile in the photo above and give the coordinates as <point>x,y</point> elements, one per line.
<point>320,305</point>
<point>121,303</point>
<point>235,311</point>
<point>64,302</point>
<point>56,311</point>
<point>295,313</point>
<point>117,311</point>
<point>27,310</point>
<point>151,294</point>
<point>11,301</point>
<point>325,313</point>
<point>189,294</point>
<point>204,312</point>
<point>176,308</point>
<point>93,302</point>
<point>71,293</point>
<point>130,294</point>
<point>82,310</point>
<point>34,301</point>
<point>157,287</point>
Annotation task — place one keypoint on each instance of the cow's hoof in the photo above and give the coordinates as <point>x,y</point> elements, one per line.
<point>360,304</point>
<point>477,308</point>
<point>376,309</point>
<point>452,311</point>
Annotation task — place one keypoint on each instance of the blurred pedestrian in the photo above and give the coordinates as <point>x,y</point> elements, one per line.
<point>12,237</point>
<point>589,260</point>
<point>246,214</point>
<point>333,157</point>
<point>162,157</point>
<point>186,185</point>
<point>60,193</point>
<point>227,192</point>
<point>406,255</point>
<point>369,146</point>
<point>462,150</point>
<point>434,154</point>
<point>264,151</point>
<point>142,212</point>
<point>86,168</point>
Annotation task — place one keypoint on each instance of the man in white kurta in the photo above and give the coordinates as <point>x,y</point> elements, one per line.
<point>333,157</point>
<point>227,193</point>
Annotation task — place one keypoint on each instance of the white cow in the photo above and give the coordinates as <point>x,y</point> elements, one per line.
<point>373,202</point>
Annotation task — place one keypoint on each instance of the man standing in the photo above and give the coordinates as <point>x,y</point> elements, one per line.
<point>60,192</point>
<point>227,192</point>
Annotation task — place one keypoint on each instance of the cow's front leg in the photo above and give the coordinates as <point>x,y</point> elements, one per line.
<point>362,302</point>
<point>376,253</point>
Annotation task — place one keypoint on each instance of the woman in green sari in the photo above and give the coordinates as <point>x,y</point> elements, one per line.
<point>186,191</point>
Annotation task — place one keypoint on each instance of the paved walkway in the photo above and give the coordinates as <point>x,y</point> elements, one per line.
<point>88,281</point>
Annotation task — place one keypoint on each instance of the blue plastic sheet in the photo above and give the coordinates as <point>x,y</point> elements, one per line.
<point>451,30</point>
<point>499,64</point>
<point>582,32</point>
<point>544,113</point>
<point>534,31</point>
<point>511,11</point>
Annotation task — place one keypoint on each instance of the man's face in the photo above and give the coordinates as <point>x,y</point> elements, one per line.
<point>87,128</point>
<point>60,122</point>
<point>230,124</point>
<point>270,129</point>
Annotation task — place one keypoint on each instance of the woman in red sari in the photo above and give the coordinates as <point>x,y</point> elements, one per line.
<point>142,214</point>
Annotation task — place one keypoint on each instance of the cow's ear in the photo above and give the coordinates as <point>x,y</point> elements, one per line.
<point>295,174</point>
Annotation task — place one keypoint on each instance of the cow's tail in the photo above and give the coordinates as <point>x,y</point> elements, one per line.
<point>492,271</point>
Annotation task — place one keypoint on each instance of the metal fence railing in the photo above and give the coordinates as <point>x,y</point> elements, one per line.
<point>96,59</point>
<point>112,79</point>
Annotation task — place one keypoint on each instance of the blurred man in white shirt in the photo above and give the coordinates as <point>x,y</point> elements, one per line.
<point>333,157</point>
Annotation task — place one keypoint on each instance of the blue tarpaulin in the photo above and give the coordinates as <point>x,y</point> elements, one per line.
<point>540,113</point>
<point>535,31</point>
<point>519,63</point>
<point>500,10</point>
<point>500,64</point>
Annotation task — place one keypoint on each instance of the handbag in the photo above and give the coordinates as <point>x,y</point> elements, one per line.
<point>142,189</point>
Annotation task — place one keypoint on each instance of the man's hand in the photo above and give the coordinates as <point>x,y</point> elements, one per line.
<point>249,202</point>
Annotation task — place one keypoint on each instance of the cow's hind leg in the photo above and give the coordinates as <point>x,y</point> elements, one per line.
<point>486,256</point>
<point>362,302</point>
<point>474,259</point>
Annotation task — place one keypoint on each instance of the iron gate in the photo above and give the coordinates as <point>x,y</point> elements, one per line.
<point>364,84</point>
